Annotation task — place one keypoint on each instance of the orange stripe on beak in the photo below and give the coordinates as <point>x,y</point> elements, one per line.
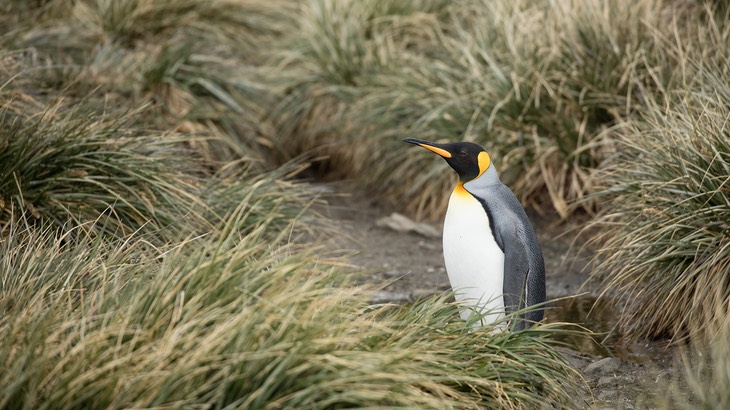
<point>440,151</point>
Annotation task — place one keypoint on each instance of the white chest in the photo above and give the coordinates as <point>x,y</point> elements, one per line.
<point>474,261</point>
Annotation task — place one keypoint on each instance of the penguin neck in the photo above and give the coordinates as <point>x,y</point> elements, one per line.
<point>460,190</point>
<point>486,179</point>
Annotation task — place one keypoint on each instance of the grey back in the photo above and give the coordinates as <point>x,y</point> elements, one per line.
<point>524,281</point>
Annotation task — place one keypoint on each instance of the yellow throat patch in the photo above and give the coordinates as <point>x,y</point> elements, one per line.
<point>484,161</point>
<point>460,190</point>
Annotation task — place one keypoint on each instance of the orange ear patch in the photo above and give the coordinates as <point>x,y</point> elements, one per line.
<point>484,162</point>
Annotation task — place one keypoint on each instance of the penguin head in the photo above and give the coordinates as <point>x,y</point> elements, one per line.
<point>468,159</point>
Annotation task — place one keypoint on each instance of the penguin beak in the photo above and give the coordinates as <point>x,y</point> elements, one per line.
<point>431,146</point>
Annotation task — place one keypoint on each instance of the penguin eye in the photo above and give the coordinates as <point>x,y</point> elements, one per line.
<point>462,153</point>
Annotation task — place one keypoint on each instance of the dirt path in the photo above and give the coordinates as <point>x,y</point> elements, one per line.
<point>620,377</point>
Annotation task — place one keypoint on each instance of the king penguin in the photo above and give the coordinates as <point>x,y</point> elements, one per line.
<point>492,256</point>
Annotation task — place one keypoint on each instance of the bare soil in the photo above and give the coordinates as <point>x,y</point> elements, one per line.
<point>410,266</point>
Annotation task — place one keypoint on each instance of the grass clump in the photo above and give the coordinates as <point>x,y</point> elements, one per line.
<point>72,161</point>
<point>664,247</point>
<point>241,320</point>
<point>319,71</point>
<point>71,167</point>
<point>542,86</point>
<point>196,61</point>
<point>509,87</point>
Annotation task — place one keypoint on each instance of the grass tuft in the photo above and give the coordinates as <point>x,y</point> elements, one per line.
<point>242,319</point>
<point>664,245</point>
<point>542,86</point>
<point>70,166</point>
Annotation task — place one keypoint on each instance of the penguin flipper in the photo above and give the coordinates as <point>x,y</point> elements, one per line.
<point>516,270</point>
<point>524,269</point>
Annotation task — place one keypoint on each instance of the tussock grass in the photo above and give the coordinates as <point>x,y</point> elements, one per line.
<point>664,247</point>
<point>74,161</point>
<point>242,320</point>
<point>531,82</point>
<point>196,61</point>
<point>324,66</point>
<point>71,168</point>
<point>542,86</point>
<point>68,166</point>
<point>151,257</point>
